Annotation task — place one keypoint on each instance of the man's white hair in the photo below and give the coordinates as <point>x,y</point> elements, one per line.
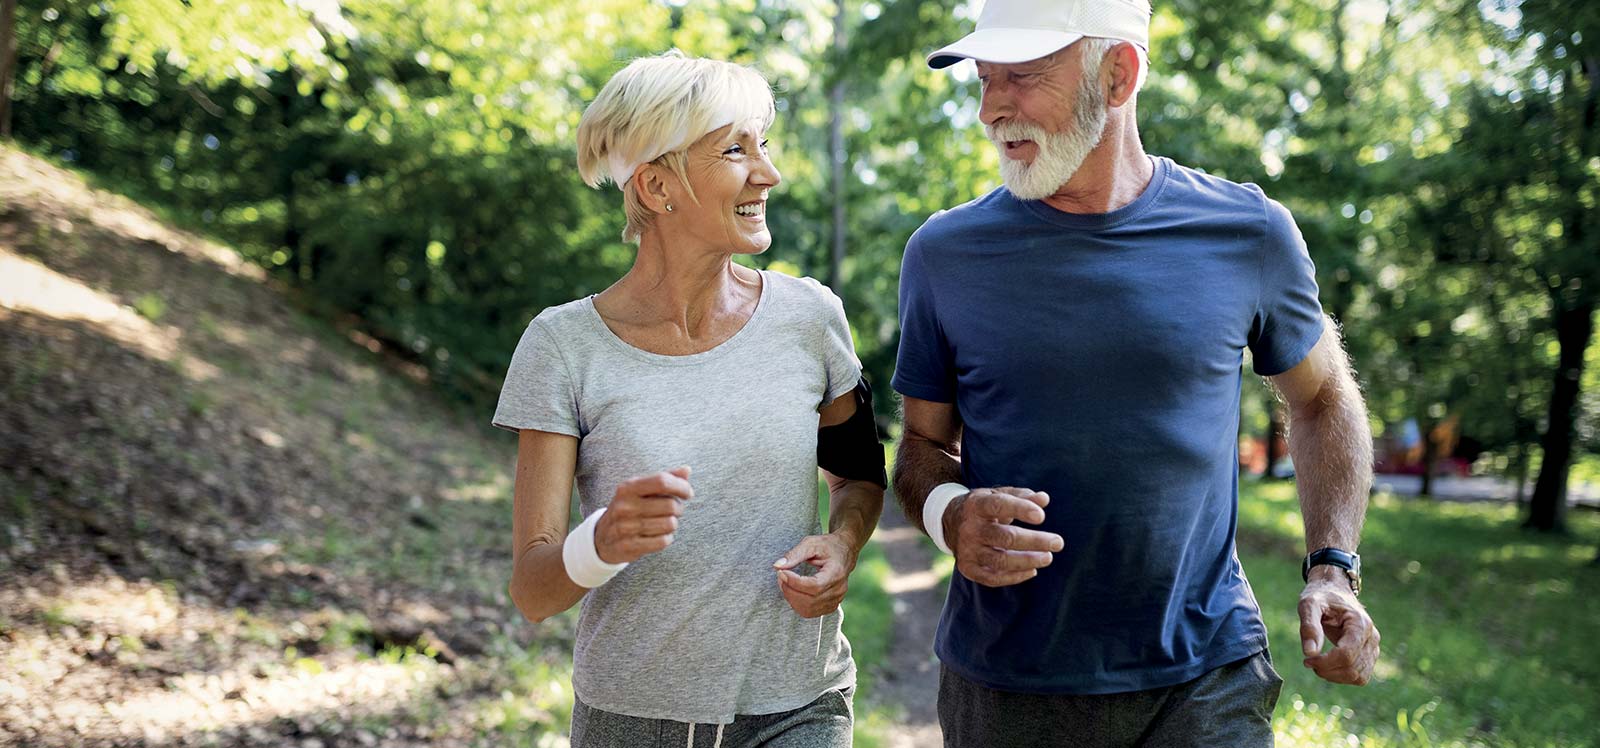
<point>1094,50</point>
<point>653,109</point>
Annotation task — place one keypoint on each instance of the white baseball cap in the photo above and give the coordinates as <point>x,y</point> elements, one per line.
<point>1012,31</point>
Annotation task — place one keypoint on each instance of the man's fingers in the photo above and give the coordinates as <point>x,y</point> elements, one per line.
<point>1346,675</point>
<point>1310,626</point>
<point>1333,659</point>
<point>993,578</point>
<point>1011,538</point>
<point>1348,630</point>
<point>1038,497</point>
<point>1011,561</point>
<point>1003,507</point>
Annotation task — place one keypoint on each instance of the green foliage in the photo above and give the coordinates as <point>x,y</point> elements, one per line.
<point>412,163</point>
<point>150,306</point>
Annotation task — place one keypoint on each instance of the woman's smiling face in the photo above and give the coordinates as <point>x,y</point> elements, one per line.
<point>731,175</point>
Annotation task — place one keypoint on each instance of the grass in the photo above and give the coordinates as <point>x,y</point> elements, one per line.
<point>1486,627</point>
<point>868,623</point>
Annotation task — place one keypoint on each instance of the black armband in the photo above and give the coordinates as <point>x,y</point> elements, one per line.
<point>851,450</point>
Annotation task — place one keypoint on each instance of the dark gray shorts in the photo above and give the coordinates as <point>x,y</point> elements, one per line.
<point>1229,706</point>
<point>824,723</point>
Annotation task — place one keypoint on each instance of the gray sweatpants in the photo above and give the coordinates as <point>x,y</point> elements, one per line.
<point>1229,706</point>
<point>824,723</point>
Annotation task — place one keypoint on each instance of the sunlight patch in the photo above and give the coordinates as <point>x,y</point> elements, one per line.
<point>26,285</point>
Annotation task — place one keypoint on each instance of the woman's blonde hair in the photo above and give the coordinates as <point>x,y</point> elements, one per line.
<point>653,109</point>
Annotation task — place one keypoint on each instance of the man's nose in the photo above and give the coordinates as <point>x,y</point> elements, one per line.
<point>995,103</point>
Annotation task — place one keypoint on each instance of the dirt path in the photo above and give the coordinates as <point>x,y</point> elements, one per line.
<point>911,680</point>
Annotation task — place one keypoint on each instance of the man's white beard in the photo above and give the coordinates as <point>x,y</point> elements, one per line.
<point>1060,154</point>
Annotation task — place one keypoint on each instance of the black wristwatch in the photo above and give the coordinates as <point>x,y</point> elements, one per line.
<point>1350,562</point>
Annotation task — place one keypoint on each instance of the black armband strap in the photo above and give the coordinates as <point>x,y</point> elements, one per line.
<point>851,449</point>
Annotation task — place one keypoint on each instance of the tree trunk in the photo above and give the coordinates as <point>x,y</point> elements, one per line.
<point>1574,327</point>
<point>836,154</point>
<point>8,63</point>
<point>1520,470</point>
<point>1429,455</point>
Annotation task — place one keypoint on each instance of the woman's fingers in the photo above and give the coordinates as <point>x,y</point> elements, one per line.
<point>647,527</point>
<point>643,515</point>
<point>806,603</point>
<point>673,483</point>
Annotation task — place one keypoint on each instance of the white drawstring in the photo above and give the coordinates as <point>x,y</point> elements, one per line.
<point>718,744</point>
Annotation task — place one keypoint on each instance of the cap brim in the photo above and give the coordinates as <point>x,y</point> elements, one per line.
<point>1003,46</point>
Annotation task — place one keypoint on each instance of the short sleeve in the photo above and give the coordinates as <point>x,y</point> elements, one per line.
<point>838,350</point>
<point>924,366</point>
<point>1288,317</point>
<point>538,392</point>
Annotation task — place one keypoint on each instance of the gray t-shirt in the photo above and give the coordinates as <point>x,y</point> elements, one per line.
<point>698,632</point>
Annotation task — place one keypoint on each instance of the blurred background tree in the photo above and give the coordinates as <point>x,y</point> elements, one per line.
<point>409,165</point>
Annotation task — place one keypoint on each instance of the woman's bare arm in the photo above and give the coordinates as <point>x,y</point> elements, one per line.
<point>546,463</point>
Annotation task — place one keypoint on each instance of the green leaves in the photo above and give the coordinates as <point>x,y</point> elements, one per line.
<point>412,162</point>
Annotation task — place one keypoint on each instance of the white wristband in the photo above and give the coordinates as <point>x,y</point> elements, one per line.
<point>583,562</point>
<point>933,511</point>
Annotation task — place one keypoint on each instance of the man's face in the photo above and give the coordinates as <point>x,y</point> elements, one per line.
<point>1044,116</point>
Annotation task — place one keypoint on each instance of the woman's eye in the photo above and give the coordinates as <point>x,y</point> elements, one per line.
<point>763,145</point>
<point>735,148</point>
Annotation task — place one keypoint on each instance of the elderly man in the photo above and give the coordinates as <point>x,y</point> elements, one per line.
<point>1070,359</point>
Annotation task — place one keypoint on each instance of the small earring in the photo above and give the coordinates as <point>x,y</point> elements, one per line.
<point>669,207</point>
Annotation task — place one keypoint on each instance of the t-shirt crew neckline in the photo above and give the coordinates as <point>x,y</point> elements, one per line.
<point>1161,168</point>
<point>735,340</point>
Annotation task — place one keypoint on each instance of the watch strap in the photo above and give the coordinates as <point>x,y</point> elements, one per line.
<point>1346,560</point>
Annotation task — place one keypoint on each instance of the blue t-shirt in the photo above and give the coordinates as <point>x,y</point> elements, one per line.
<point>1098,358</point>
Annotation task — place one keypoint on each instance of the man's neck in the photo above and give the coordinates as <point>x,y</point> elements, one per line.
<point>1115,174</point>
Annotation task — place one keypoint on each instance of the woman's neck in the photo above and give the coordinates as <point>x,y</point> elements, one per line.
<point>677,298</point>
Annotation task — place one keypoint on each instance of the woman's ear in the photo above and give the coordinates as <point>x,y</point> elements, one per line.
<point>650,183</point>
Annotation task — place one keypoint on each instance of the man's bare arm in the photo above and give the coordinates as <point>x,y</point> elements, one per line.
<point>929,453</point>
<point>1331,443</point>
<point>976,525</point>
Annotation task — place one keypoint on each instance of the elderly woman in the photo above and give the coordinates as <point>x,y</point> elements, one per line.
<point>686,400</point>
